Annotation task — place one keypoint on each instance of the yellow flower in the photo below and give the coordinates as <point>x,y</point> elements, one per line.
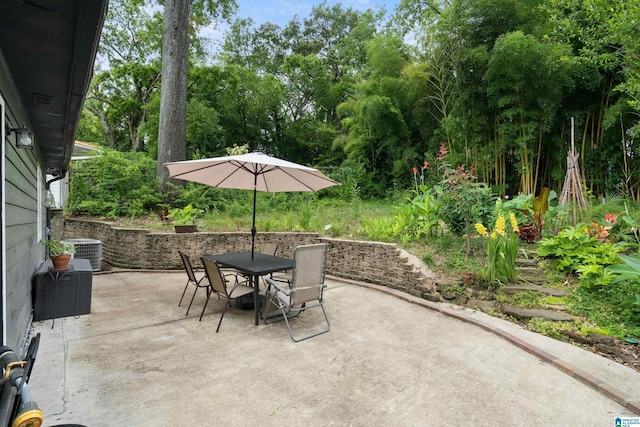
<point>514,222</point>
<point>494,235</point>
<point>481,230</point>
<point>500,225</point>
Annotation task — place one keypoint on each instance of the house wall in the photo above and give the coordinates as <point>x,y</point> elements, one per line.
<point>23,220</point>
<point>373,262</point>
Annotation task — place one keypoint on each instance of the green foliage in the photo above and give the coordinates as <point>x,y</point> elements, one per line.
<point>613,307</point>
<point>536,214</point>
<point>451,254</point>
<point>524,299</point>
<point>549,327</point>
<point>629,277</point>
<point>624,218</point>
<point>203,196</point>
<point>495,80</point>
<point>594,275</point>
<point>57,247</point>
<point>114,184</point>
<point>419,217</point>
<point>608,292</point>
<point>553,300</point>
<point>380,229</point>
<point>305,216</point>
<point>184,216</point>
<point>574,249</point>
<point>502,249</point>
<point>463,201</point>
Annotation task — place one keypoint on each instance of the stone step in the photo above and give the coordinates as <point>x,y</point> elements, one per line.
<point>531,271</point>
<point>482,305</point>
<point>516,289</point>
<point>530,313</point>
<point>533,280</point>
<point>527,262</point>
<point>446,283</point>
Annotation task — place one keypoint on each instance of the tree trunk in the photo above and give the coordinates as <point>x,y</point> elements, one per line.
<point>173,94</point>
<point>108,130</point>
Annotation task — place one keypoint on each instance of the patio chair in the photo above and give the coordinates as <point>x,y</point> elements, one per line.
<point>218,284</point>
<point>282,276</point>
<point>270,249</point>
<point>191,279</point>
<point>303,293</point>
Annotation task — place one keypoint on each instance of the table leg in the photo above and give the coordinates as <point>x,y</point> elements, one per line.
<point>256,292</point>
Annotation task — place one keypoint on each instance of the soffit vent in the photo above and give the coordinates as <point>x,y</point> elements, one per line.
<point>40,99</point>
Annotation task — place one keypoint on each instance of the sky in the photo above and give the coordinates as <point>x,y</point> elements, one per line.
<point>280,12</point>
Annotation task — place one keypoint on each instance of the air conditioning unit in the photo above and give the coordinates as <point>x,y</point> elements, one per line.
<point>90,249</point>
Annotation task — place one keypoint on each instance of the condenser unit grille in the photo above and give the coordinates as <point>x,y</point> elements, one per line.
<point>90,249</point>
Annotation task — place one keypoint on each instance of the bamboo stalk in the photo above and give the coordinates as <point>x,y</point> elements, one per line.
<point>624,156</point>
<point>537,170</point>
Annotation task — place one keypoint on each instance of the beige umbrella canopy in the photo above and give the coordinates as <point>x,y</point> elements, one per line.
<point>253,171</point>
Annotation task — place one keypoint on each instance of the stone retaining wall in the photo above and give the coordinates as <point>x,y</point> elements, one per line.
<point>373,262</point>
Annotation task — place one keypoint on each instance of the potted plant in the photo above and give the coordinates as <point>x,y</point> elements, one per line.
<point>184,219</point>
<point>59,253</point>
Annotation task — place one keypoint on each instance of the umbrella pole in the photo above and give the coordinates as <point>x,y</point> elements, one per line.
<point>253,225</point>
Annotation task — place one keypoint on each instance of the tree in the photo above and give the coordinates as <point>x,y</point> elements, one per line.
<point>526,82</point>
<point>119,98</point>
<point>129,56</point>
<point>173,95</point>
<point>175,59</point>
<point>375,132</point>
<point>263,49</point>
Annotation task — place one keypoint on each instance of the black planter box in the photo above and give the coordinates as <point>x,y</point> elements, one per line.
<point>70,290</point>
<point>246,302</point>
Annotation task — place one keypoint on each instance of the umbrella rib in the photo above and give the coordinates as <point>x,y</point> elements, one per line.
<point>211,167</point>
<point>306,172</point>
<point>192,171</point>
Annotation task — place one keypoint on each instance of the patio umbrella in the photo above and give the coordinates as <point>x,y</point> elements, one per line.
<point>253,171</point>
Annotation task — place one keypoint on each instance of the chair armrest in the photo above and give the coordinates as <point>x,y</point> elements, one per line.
<point>276,285</point>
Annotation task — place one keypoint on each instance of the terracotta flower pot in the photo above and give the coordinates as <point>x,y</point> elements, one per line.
<point>60,262</point>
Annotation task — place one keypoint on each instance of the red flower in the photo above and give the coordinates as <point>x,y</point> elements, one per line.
<point>426,165</point>
<point>611,217</point>
<point>443,151</point>
<point>415,170</point>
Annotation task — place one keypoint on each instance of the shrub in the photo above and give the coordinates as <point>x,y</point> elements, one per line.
<point>583,250</point>
<point>463,201</point>
<point>575,248</point>
<point>114,184</point>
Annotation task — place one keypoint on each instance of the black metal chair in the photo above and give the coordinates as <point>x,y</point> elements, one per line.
<point>191,279</point>
<point>218,284</point>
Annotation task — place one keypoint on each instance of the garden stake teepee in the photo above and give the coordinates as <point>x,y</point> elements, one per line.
<point>572,191</point>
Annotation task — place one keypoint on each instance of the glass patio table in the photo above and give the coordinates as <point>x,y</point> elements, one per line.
<point>260,265</point>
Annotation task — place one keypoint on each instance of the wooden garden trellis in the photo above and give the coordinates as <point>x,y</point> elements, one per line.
<point>573,192</point>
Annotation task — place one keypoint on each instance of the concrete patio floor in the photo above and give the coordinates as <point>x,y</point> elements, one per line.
<point>389,360</point>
